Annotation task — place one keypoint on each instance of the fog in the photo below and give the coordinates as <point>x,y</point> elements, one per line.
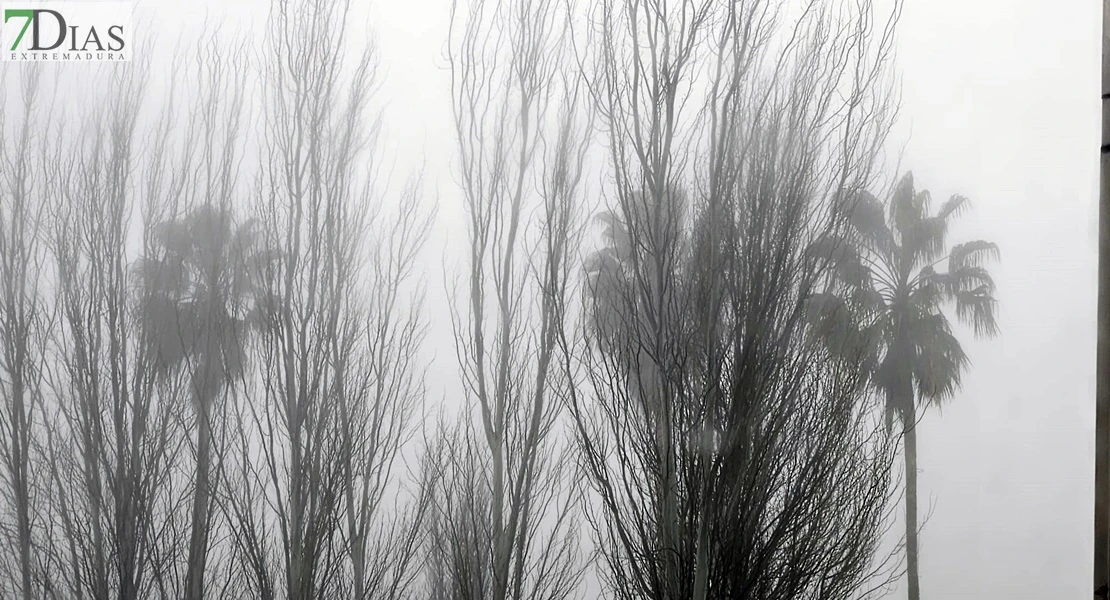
<point>998,102</point>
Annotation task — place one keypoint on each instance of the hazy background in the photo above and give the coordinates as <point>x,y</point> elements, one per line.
<point>999,104</point>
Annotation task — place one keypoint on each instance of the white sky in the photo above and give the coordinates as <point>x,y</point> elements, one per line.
<point>999,104</point>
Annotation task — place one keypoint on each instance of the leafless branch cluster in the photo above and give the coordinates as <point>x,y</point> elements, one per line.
<point>211,325</point>
<point>504,525</point>
<point>24,321</point>
<point>336,384</point>
<point>211,315</point>
<point>726,456</point>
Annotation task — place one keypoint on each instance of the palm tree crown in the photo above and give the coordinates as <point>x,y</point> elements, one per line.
<point>200,296</point>
<point>892,274</point>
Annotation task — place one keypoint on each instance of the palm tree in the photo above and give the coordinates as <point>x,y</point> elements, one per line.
<point>196,288</point>
<point>892,274</point>
<point>632,235</point>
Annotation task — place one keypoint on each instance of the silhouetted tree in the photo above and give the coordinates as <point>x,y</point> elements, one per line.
<point>521,151</point>
<point>197,289</point>
<point>23,325</point>
<point>111,435</point>
<point>324,417</point>
<point>199,283</point>
<point>893,272</point>
<point>726,459</point>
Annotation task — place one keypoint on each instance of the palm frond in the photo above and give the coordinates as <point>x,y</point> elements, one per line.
<point>865,216</point>
<point>604,259</point>
<point>174,237</point>
<point>905,212</point>
<point>965,279</point>
<point>244,241</point>
<point>953,207</point>
<point>615,232</point>
<point>976,307</point>
<point>164,277</point>
<point>889,374</point>
<point>925,240</point>
<point>940,359</point>
<point>834,325</point>
<point>842,258</point>
<point>829,316</point>
<point>931,290</point>
<point>972,254</point>
<point>868,300</point>
<point>169,331</point>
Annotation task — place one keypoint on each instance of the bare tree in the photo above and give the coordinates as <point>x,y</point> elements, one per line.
<point>379,391</point>
<point>143,335</point>
<point>728,458</point>
<point>321,423</point>
<point>89,248</point>
<point>24,322</point>
<point>503,525</point>
<point>110,435</point>
<point>197,282</point>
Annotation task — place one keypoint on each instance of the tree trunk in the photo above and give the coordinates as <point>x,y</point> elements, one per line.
<point>23,513</point>
<point>18,469</point>
<point>701,560</point>
<point>910,441</point>
<point>198,539</point>
<point>1102,361</point>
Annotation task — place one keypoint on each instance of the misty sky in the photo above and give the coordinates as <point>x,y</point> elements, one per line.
<point>1000,105</point>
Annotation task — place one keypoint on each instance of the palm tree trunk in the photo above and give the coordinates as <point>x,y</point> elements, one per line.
<point>198,539</point>
<point>910,440</point>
